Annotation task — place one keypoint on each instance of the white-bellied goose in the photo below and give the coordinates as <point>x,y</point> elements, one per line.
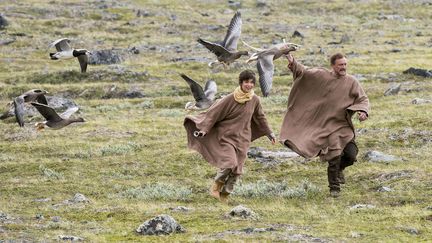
<point>203,98</point>
<point>65,51</point>
<point>54,120</point>
<point>265,66</point>
<point>226,51</point>
<point>29,96</point>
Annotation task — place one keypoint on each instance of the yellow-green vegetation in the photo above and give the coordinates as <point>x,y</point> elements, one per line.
<point>130,157</point>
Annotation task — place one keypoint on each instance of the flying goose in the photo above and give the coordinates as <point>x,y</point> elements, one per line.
<point>65,51</point>
<point>53,120</point>
<point>203,98</point>
<point>226,51</point>
<point>29,96</point>
<point>265,58</point>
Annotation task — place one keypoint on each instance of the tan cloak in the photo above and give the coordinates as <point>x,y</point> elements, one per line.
<point>230,128</point>
<point>320,106</point>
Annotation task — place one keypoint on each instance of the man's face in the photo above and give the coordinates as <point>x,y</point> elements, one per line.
<point>247,85</point>
<point>340,67</point>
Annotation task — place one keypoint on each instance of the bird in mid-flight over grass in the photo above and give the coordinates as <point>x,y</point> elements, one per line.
<point>265,58</point>
<point>203,98</point>
<point>226,51</point>
<point>54,120</point>
<point>65,51</point>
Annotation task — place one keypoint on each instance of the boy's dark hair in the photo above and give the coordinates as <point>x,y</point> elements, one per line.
<point>246,75</point>
<point>335,57</point>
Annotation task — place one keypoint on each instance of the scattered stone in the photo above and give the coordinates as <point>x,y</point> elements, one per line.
<point>390,17</point>
<point>344,39</point>
<point>246,231</point>
<point>143,13</point>
<point>48,199</point>
<point>270,157</point>
<point>78,198</point>
<point>55,219</point>
<point>160,225</point>
<point>39,216</point>
<point>419,101</point>
<point>243,212</point>
<point>409,135</point>
<point>261,3</point>
<point>107,56</point>
<point>394,89</point>
<point>356,234</point>
<point>395,175</point>
<point>362,206</point>
<point>384,189</point>
<point>70,238</point>
<point>391,42</point>
<point>429,208</point>
<point>181,209</point>
<point>7,41</point>
<point>376,156</point>
<point>3,22</point>
<point>131,94</point>
<point>234,4</point>
<point>410,230</point>
<point>419,72</point>
<point>297,34</point>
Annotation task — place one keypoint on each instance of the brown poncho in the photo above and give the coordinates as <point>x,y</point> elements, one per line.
<point>320,106</point>
<point>230,128</point>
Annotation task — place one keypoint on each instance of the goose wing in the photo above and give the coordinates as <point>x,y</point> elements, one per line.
<point>69,112</point>
<point>47,112</point>
<point>233,33</point>
<point>210,90</point>
<point>265,68</point>
<point>61,44</point>
<point>19,110</point>
<point>83,60</point>
<point>196,89</point>
<point>42,99</point>
<point>214,47</point>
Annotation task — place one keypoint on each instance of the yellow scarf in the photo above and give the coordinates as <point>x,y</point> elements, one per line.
<point>241,97</point>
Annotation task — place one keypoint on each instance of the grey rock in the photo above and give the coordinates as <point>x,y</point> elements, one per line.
<point>131,94</point>
<point>344,39</point>
<point>78,198</point>
<point>55,219</point>
<point>48,199</point>
<point>297,34</point>
<point>160,225</point>
<point>362,206</point>
<point>3,21</point>
<point>234,4</point>
<point>376,156</point>
<point>384,189</point>
<point>7,41</point>
<point>429,208</point>
<point>410,230</point>
<point>144,13</point>
<point>181,209</point>
<point>107,56</point>
<point>395,175</point>
<point>39,216</point>
<point>243,212</point>
<point>394,89</point>
<point>391,42</point>
<point>356,234</point>
<point>419,101</point>
<point>261,3</point>
<point>391,17</point>
<point>419,72</point>
<point>268,157</point>
<point>70,238</point>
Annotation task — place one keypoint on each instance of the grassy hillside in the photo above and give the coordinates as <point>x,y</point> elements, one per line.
<point>130,157</point>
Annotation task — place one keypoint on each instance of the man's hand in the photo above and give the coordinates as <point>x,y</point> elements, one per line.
<point>362,116</point>
<point>272,138</point>
<point>290,58</point>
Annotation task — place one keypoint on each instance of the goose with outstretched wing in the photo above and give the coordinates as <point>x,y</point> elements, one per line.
<point>226,52</point>
<point>204,98</point>
<point>65,51</point>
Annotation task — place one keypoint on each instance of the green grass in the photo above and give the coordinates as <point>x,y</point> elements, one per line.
<point>130,157</point>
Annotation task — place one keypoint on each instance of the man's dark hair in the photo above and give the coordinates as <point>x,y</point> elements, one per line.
<point>335,57</point>
<point>246,75</point>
